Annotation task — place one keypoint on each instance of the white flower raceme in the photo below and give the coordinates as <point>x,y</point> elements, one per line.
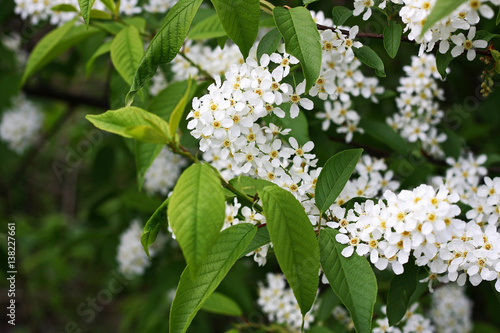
<point>21,124</point>
<point>419,112</point>
<point>414,13</point>
<point>451,310</point>
<point>163,173</point>
<point>132,259</point>
<point>280,305</point>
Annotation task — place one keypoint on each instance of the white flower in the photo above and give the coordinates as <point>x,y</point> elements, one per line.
<point>468,44</point>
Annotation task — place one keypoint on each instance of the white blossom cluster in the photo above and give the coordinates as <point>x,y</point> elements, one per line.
<point>340,80</point>
<point>411,322</point>
<point>456,31</point>
<point>132,260</point>
<point>279,304</point>
<point>41,10</point>
<point>213,61</point>
<point>21,124</point>
<point>425,223</point>
<point>164,172</point>
<point>451,310</point>
<point>418,105</point>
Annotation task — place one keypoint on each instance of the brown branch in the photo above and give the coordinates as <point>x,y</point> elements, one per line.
<point>70,99</point>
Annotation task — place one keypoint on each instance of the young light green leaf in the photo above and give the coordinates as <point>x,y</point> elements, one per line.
<point>196,213</point>
<point>352,279</point>
<point>165,102</point>
<point>260,239</point>
<point>385,134</point>
<point>269,43</point>
<point>126,52</point>
<point>302,40</point>
<point>240,19</point>
<point>145,154</point>
<point>249,185</point>
<point>370,58</point>
<point>306,2</point>
<point>401,288</point>
<point>133,122</point>
<point>221,304</point>
<point>85,7</point>
<point>392,38</point>
<point>103,49</point>
<point>340,15</point>
<point>100,15</point>
<point>165,44</point>
<point>294,242</point>
<point>211,27</point>
<point>334,176</point>
<point>442,63</point>
<point>64,7</point>
<point>441,9</point>
<point>47,49</point>
<point>496,56</point>
<point>110,5</point>
<point>193,292</point>
<point>178,112</point>
<point>153,226</point>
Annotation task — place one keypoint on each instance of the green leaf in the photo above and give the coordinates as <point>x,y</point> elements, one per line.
<point>196,213</point>
<point>178,112</point>
<point>333,177</point>
<point>401,288</point>
<point>126,52</point>
<point>249,185</point>
<point>298,125</point>
<point>211,27</point>
<point>340,15</point>
<point>385,134</point>
<point>352,279</point>
<point>392,38</point>
<point>153,226</point>
<point>306,2</point>
<point>145,154</point>
<point>165,44</point>
<point>441,9</point>
<point>302,40</point>
<point>64,7</point>
<point>294,241</point>
<point>54,44</point>
<point>485,35</point>
<point>370,58</point>
<point>442,62</point>
<point>133,122</point>
<point>498,18</point>
<point>260,239</point>
<point>240,19</point>
<point>269,43</point>
<point>85,7</point>
<point>193,292</point>
<point>100,15</point>
<point>110,5</point>
<point>328,302</point>
<point>165,102</point>
<point>103,49</point>
<point>496,56</point>
<point>221,304</point>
